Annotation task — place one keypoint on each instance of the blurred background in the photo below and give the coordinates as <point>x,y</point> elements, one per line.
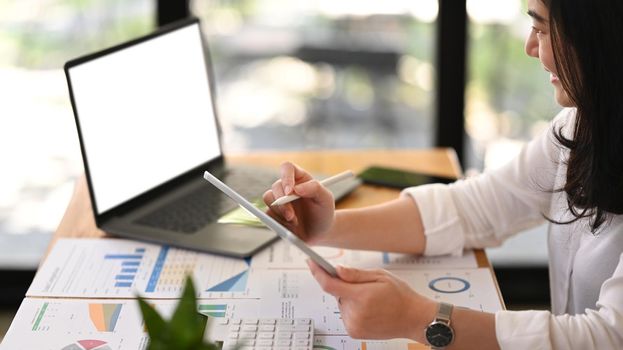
<point>291,75</point>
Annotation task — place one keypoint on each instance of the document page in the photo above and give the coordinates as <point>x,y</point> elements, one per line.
<point>282,255</point>
<point>119,268</point>
<point>107,274</point>
<point>101,324</point>
<point>329,342</point>
<point>294,293</point>
<point>78,324</point>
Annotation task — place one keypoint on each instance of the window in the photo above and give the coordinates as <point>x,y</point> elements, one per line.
<point>322,74</point>
<point>509,99</point>
<point>40,151</point>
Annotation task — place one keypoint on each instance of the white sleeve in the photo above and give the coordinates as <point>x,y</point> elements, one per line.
<point>601,329</point>
<point>484,210</point>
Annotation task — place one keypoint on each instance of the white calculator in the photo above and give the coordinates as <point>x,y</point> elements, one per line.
<point>264,333</point>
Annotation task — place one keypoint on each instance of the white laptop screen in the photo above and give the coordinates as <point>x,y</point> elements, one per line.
<point>145,115</point>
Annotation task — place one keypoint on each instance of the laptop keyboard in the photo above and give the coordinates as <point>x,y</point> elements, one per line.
<point>195,210</point>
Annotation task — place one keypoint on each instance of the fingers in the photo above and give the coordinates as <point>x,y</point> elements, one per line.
<point>339,287</point>
<point>331,285</point>
<point>349,274</point>
<point>292,174</point>
<point>285,210</point>
<point>268,197</point>
<point>277,189</point>
<point>314,190</point>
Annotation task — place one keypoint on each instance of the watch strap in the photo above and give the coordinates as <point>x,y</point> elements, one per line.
<point>444,312</point>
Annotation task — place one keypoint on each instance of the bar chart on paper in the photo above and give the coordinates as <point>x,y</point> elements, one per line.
<point>116,268</point>
<point>229,308</point>
<point>128,265</point>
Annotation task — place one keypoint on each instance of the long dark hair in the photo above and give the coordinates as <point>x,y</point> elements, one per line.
<point>587,42</point>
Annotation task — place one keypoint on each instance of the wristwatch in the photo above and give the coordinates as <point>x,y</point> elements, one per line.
<point>439,334</point>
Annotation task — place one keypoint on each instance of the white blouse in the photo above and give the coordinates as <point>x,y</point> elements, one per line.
<point>586,270</point>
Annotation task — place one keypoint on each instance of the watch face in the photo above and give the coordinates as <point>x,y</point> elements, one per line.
<point>439,334</point>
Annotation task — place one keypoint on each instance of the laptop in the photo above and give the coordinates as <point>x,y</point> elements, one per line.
<point>148,130</point>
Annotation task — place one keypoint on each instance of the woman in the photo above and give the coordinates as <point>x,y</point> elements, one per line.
<point>572,175</point>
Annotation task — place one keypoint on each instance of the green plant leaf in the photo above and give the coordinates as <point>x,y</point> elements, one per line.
<point>187,325</point>
<point>154,323</point>
<point>159,344</point>
<point>185,329</point>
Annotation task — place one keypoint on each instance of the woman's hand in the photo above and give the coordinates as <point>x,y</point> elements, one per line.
<point>375,304</point>
<point>311,215</point>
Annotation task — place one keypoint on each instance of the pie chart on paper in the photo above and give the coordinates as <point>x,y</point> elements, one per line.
<point>89,344</point>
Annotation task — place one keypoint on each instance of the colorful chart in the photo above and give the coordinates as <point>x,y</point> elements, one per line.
<point>90,344</point>
<point>238,283</point>
<point>449,285</point>
<point>129,266</point>
<point>104,316</point>
<point>213,310</point>
<point>35,326</point>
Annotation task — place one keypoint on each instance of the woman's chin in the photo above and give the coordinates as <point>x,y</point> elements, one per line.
<point>562,98</point>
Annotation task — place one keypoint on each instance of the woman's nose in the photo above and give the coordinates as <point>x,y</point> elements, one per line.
<point>532,45</point>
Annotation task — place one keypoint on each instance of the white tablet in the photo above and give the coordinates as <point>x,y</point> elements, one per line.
<point>273,224</point>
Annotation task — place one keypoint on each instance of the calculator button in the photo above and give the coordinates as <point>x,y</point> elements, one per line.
<point>301,342</point>
<point>267,334</point>
<point>249,328</point>
<point>284,342</point>
<point>267,328</point>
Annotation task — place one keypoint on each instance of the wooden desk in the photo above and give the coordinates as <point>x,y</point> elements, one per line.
<point>78,220</point>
